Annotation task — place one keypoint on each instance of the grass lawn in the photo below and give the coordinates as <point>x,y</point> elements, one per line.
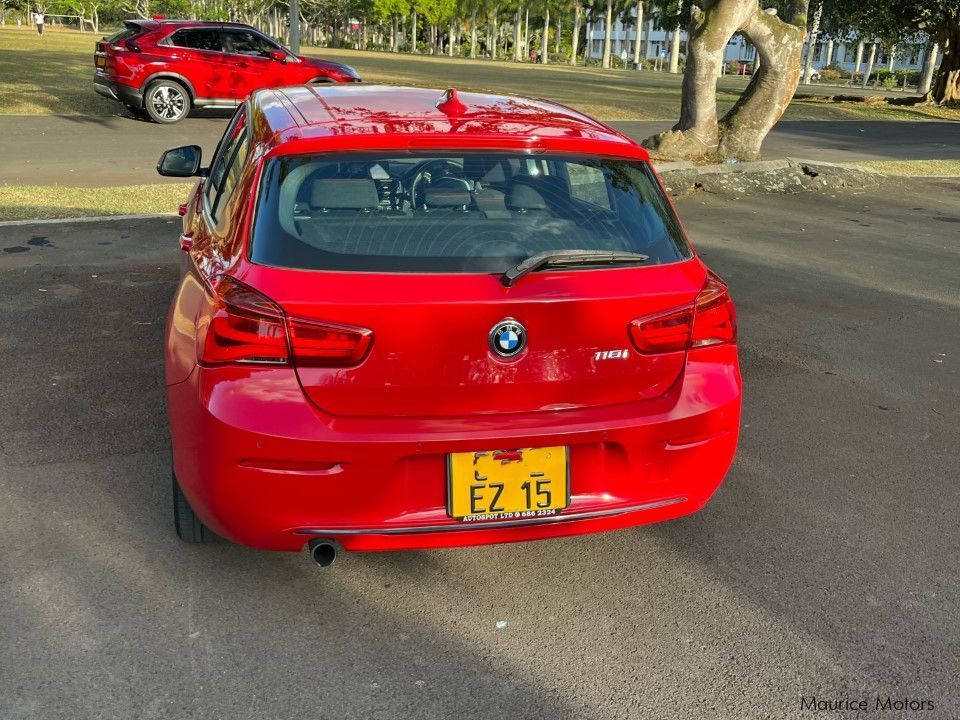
<point>23,202</point>
<point>52,75</point>
<point>916,168</point>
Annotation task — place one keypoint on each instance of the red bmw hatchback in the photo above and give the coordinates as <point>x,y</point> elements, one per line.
<point>413,319</point>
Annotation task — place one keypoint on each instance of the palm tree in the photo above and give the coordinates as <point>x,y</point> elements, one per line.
<point>544,47</point>
<point>636,42</point>
<point>607,34</point>
<point>575,39</point>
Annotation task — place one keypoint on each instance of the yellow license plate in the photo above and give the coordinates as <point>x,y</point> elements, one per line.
<point>502,484</point>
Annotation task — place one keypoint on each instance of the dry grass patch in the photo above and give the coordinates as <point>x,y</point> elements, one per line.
<point>916,168</point>
<point>40,202</point>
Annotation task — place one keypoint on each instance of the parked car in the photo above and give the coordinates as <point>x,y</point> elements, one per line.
<point>166,67</point>
<point>414,319</point>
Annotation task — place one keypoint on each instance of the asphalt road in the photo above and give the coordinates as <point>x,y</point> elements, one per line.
<point>94,151</point>
<point>825,566</point>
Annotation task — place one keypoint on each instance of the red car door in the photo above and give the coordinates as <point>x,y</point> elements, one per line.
<point>251,67</point>
<point>196,53</point>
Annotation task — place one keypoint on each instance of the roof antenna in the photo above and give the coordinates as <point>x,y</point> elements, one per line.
<point>449,103</point>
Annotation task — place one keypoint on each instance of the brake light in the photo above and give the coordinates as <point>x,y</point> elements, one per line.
<point>241,325</point>
<point>666,332</point>
<point>714,317</point>
<point>327,345</point>
<point>711,320</point>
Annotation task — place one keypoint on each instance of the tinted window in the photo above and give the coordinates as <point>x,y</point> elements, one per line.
<point>227,165</point>
<point>126,33</point>
<point>456,213</point>
<point>245,42</point>
<point>200,39</point>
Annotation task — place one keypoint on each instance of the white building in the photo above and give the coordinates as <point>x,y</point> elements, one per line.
<point>657,39</point>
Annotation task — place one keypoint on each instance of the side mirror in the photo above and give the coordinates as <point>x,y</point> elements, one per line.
<point>278,55</point>
<point>180,162</point>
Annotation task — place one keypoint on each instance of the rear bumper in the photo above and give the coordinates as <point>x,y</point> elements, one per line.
<point>118,91</point>
<point>262,467</point>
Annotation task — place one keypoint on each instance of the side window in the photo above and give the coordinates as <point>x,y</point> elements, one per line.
<point>245,42</point>
<point>588,184</point>
<point>197,40</point>
<point>227,165</point>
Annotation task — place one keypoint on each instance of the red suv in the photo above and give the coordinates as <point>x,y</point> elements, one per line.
<point>165,67</point>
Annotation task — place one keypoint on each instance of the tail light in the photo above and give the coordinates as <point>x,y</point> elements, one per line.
<point>714,316</point>
<point>240,325</point>
<point>711,320</point>
<point>328,345</point>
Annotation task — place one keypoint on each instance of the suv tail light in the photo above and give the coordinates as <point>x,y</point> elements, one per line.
<point>711,320</point>
<point>240,325</point>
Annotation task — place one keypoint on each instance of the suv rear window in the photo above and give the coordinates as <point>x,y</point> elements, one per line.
<point>467,212</point>
<point>198,39</point>
<point>128,31</point>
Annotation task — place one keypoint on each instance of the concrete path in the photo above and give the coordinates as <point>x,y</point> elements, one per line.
<point>119,150</point>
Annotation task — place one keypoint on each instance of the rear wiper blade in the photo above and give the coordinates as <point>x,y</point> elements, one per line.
<point>570,257</point>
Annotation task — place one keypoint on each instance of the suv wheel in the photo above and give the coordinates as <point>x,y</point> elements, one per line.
<point>167,101</point>
<point>185,520</point>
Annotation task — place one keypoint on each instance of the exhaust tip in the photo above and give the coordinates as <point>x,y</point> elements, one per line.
<point>323,552</point>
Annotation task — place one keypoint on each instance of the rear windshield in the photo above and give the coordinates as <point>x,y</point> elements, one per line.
<point>456,212</point>
<point>129,30</point>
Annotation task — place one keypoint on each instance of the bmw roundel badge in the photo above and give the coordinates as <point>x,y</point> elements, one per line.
<point>508,338</point>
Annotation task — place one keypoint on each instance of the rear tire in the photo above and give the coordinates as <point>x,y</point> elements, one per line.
<point>166,101</point>
<point>185,521</point>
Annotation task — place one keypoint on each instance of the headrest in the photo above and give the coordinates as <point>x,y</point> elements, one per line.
<point>446,197</point>
<point>336,194</point>
<point>484,169</point>
<point>524,197</point>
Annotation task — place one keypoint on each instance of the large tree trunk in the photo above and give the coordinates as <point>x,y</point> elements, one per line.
<point>639,26</point>
<point>608,31</point>
<point>929,65</point>
<point>893,58</point>
<point>575,40</point>
<point>413,33</point>
<point>740,133</point>
<point>812,44</point>
<point>946,84</point>
<point>829,59</point>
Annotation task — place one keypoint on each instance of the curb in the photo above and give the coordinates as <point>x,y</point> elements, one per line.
<point>85,219</point>
<point>788,175</point>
